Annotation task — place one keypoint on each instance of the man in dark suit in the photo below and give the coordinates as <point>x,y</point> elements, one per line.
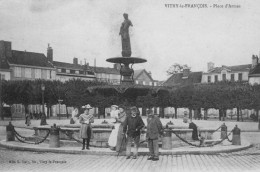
<point>133,124</point>
<point>154,130</point>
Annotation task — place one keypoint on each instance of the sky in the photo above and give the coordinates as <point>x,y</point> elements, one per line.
<point>89,29</point>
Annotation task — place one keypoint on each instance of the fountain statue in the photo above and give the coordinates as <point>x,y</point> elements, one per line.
<point>125,38</point>
<point>127,89</point>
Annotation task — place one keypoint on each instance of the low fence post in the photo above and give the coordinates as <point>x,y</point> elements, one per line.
<point>54,137</point>
<point>223,133</point>
<point>167,139</point>
<point>236,140</point>
<point>10,132</point>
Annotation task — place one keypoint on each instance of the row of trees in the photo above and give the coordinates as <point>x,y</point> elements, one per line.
<point>221,95</point>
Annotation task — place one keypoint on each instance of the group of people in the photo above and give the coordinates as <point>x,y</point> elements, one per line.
<point>128,126</point>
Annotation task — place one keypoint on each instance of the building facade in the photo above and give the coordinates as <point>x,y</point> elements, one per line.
<point>254,74</point>
<point>106,74</point>
<point>226,73</point>
<point>142,77</point>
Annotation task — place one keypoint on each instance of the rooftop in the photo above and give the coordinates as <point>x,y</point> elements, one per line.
<point>29,59</point>
<point>177,79</point>
<point>237,68</point>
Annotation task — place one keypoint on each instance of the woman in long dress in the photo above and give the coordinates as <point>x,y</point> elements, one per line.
<point>74,114</point>
<point>113,136</point>
<point>85,120</point>
<point>121,140</point>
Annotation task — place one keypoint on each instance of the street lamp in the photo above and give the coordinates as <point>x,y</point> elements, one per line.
<point>43,118</point>
<point>60,101</point>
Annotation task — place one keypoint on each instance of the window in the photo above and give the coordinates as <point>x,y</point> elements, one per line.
<point>59,70</point>
<point>38,73</point>
<point>17,71</point>
<point>28,72</point>
<point>150,83</point>
<point>72,71</point>
<point>77,72</point>
<point>2,76</point>
<point>216,78</point>
<point>232,77</point>
<point>240,76</point>
<point>48,74</point>
<point>143,82</point>
<point>209,78</point>
<point>67,71</point>
<point>63,70</point>
<point>81,72</point>
<point>224,77</point>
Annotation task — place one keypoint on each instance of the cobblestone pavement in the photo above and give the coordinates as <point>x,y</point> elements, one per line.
<point>248,160</point>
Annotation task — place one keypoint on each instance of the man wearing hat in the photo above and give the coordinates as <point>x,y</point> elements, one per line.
<point>154,130</point>
<point>85,120</point>
<point>133,124</point>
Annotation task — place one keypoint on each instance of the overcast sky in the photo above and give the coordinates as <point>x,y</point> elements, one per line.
<point>88,29</point>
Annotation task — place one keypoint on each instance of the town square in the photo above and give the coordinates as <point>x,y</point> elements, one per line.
<point>113,86</point>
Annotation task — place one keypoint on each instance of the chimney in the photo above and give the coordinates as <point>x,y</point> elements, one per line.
<point>186,72</point>
<point>210,66</point>
<point>150,73</point>
<point>75,61</point>
<point>49,53</point>
<point>254,61</point>
<point>5,49</point>
<point>117,66</point>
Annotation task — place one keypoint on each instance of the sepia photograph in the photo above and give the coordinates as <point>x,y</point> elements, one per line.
<point>130,86</point>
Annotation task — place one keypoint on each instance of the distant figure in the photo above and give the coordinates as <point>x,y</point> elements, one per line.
<point>27,117</point>
<point>74,114</point>
<point>112,140</point>
<point>192,126</point>
<point>86,132</point>
<point>132,126</point>
<point>125,38</point>
<point>43,119</point>
<point>154,130</point>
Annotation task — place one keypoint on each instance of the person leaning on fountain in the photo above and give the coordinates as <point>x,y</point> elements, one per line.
<point>132,125</point>
<point>112,141</point>
<point>74,114</point>
<point>121,142</point>
<point>85,120</point>
<point>192,126</point>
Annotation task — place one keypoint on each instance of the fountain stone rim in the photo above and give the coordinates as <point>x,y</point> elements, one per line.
<point>126,60</point>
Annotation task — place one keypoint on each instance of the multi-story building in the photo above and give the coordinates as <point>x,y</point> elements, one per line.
<point>223,73</point>
<point>20,65</point>
<point>67,71</point>
<point>254,74</point>
<point>109,75</point>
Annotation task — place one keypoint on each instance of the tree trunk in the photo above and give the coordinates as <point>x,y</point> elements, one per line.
<point>48,112</point>
<point>190,113</point>
<point>205,114</point>
<point>155,110</point>
<point>220,114</point>
<point>143,111</point>
<point>161,112</point>
<point>67,114</point>
<point>238,113</point>
<point>175,112</point>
